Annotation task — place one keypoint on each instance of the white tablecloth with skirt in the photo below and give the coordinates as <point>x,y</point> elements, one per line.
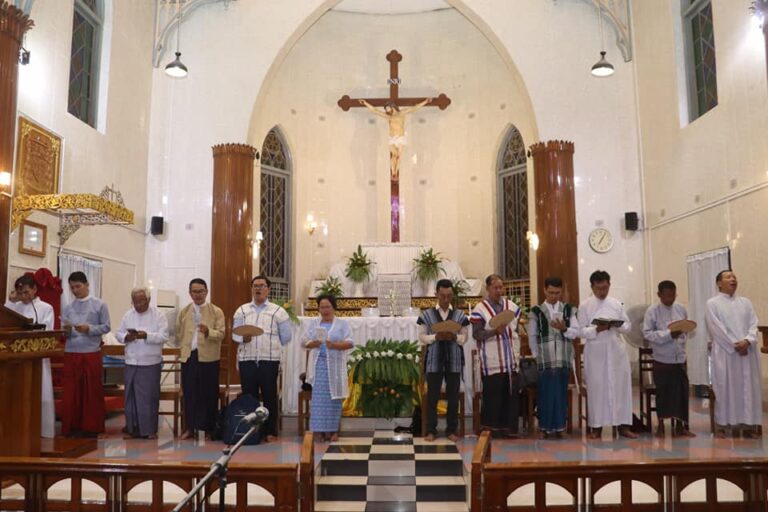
<point>363,329</point>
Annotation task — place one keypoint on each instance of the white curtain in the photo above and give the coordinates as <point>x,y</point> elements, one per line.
<point>69,263</point>
<point>702,270</point>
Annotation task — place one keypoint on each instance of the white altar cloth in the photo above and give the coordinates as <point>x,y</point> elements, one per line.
<point>363,329</point>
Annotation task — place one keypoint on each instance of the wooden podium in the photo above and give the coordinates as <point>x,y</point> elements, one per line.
<point>22,349</point>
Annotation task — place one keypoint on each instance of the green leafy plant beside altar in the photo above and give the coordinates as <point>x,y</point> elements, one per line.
<point>388,373</point>
<point>331,286</point>
<point>428,265</point>
<point>287,305</point>
<point>359,266</point>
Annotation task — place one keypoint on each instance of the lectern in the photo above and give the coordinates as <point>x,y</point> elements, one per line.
<point>22,349</point>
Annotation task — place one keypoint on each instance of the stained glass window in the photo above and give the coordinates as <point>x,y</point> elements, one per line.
<point>513,207</point>
<point>87,23</point>
<point>700,56</point>
<point>274,255</point>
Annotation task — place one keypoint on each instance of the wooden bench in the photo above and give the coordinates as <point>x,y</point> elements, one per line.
<point>115,479</point>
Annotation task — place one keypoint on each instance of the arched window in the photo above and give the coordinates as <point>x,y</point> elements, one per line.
<point>87,30</point>
<point>275,203</point>
<point>512,184</point>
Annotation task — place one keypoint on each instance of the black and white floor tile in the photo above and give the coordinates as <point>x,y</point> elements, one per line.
<point>386,472</point>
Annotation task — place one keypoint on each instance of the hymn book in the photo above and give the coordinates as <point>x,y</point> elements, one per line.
<point>682,326</point>
<point>502,318</point>
<point>248,330</point>
<point>612,322</point>
<point>448,326</point>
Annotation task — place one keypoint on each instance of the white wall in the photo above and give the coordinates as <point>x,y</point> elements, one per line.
<point>546,50</point>
<point>114,155</point>
<point>705,181</point>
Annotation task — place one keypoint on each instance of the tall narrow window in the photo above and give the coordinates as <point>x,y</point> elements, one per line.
<point>512,183</point>
<point>87,24</point>
<point>275,202</point>
<point>699,35</point>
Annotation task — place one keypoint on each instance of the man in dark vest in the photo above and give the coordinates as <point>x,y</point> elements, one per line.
<point>444,358</point>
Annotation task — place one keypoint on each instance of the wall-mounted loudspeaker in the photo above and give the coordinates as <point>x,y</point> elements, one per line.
<point>631,221</point>
<point>156,226</point>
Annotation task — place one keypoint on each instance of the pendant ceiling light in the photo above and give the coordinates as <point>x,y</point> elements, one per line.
<point>176,69</point>
<point>602,67</point>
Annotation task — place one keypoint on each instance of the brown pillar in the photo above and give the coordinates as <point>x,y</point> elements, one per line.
<point>556,215</point>
<point>231,250</point>
<point>13,24</point>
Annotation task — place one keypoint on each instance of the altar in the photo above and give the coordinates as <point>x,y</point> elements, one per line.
<point>402,328</point>
<point>394,259</point>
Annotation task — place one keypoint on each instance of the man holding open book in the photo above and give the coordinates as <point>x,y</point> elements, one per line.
<point>665,326</point>
<point>606,364</point>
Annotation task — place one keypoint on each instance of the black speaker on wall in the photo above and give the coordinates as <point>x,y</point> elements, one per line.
<point>631,221</point>
<point>156,226</point>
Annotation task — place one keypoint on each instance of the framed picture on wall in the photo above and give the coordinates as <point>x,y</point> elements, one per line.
<point>32,238</point>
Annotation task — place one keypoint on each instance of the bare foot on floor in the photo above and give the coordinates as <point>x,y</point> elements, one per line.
<point>429,438</point>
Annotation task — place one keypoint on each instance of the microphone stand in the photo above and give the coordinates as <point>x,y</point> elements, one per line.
<point>219,468</point>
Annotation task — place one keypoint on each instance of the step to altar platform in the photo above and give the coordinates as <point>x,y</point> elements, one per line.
<point>382,471</point>
<point>66,448</point>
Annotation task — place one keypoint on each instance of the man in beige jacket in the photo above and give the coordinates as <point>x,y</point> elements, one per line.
<point>199,331</point>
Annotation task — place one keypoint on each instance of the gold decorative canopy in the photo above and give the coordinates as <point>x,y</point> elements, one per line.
<point>74,210</point>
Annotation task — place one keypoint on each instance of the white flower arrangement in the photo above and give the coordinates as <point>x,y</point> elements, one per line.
<point>367,355</point>
<point>390,353</point>
<point>399,355</point>
<point>376,353</point>
<point>416,359</point>
<point>409,357</point>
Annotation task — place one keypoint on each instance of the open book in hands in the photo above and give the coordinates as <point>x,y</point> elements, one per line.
<point>448,326</point>
<point>611,322</point>
<point>682,326</point>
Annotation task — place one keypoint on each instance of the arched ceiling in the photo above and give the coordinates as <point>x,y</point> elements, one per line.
<point>390,6</point>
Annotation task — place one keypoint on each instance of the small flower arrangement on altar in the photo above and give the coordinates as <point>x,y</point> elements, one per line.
<point>388,371</point>
<point>287,305</point>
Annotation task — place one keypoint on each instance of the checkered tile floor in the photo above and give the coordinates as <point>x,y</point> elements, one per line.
<point>386,472</point>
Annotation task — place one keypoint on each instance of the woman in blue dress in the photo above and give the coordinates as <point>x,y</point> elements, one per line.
<point>328,338</point>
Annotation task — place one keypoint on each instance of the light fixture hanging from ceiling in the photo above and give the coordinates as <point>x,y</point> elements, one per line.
<point>602,67</point>
<point>176,69</point>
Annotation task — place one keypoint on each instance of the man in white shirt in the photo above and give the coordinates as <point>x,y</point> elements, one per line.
<point>736,376</point>
<point>144,330</point>
<point>444,359</point>
<point>669,371</point>
<point>259,357</point>
<point>606,363</point>
<point>25,302</point>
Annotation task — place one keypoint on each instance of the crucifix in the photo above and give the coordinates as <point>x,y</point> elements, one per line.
<point>396,118</point>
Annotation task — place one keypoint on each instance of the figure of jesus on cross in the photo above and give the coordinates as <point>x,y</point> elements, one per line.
<point>396,118</point>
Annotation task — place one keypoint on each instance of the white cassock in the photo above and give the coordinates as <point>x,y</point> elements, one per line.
<point>606,364</point>
<point>41,313</point>
<point>736,379</point>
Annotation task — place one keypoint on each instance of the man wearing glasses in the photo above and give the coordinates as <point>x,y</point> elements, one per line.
<point>259,356</point>
<point>199,332</point>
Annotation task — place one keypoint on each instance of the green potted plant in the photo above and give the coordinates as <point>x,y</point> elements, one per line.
<point>359,269</point>
<point>460,290</point>
<point>427,267</point>
<point>331,286</point>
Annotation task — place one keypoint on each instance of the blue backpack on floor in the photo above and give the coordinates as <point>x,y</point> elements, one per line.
<point>234,428</point>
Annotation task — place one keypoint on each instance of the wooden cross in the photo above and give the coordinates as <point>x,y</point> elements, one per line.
<point>442,101</point>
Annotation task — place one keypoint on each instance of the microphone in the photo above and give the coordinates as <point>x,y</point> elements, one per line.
<point>257,417</point>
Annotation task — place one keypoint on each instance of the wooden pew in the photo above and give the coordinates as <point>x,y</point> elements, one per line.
<point>116,478</point>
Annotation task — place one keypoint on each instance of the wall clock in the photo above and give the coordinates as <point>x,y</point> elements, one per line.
<point>600,240</point>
